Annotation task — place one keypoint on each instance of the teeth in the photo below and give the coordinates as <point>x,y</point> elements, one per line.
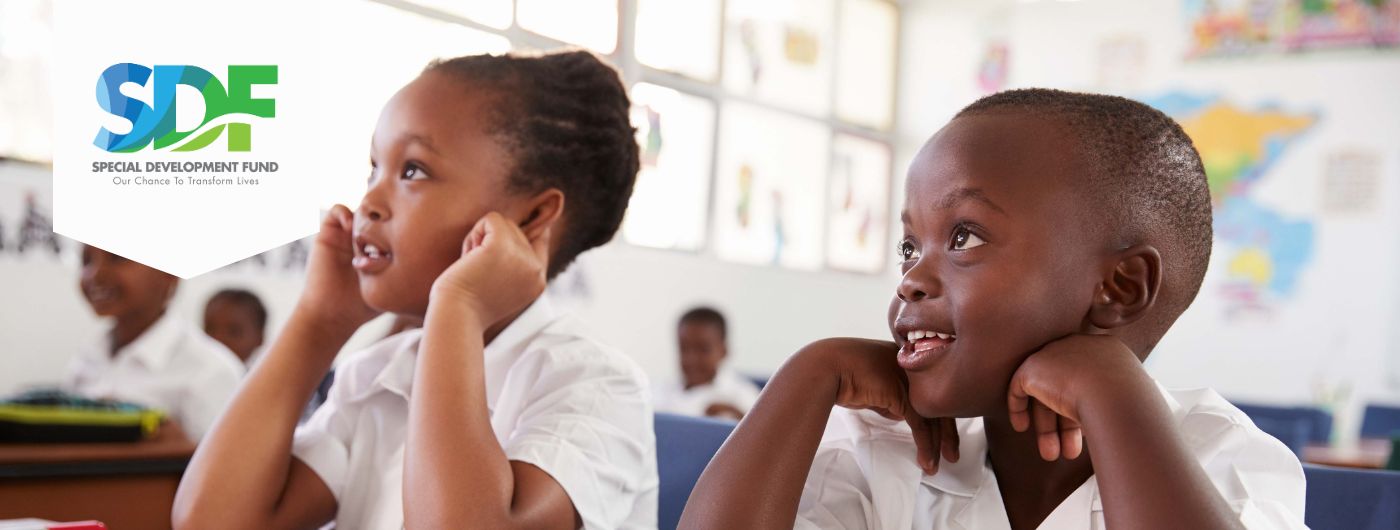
<point>916,335</point>
<point>372,251</point>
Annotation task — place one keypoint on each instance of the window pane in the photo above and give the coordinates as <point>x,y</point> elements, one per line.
<point>588,23</point>
<point>26,125</point>
<point>865,62</point>
<point>858,202</point>
<point>780,51</point>
<point>770,188</point>
<point>675,132</point>
<point>494,13</point>
<point>681,37</point>
<point>372,70</point>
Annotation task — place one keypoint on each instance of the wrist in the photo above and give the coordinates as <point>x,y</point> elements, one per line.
<point>1107,399</point>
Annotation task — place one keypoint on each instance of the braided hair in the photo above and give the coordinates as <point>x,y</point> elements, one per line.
<point>564,119</point>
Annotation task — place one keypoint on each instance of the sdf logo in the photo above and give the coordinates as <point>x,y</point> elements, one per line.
<point>156,122</point>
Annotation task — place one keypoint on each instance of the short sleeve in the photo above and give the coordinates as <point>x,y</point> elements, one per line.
<point>207,396</point>
<point>323,445</point>
<point>1258,476</point>
<point>587,422</point>
<point>836,494</point>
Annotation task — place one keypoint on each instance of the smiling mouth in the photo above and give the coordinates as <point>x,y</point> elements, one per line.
<point>921,347</point>
<point>370,258</point>
<point>99,294</point>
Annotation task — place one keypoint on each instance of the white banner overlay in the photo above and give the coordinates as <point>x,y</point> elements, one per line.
<point>185,132</point>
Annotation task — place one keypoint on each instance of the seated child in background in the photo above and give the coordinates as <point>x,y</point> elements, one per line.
<point>149,356</point>
<point>488,176</point>
<point>237,318</point>
<point>708,386</point>
<point>1050,240</point>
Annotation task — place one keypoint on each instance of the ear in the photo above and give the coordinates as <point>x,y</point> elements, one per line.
<point>1129,289</point>
<point>541,212</point>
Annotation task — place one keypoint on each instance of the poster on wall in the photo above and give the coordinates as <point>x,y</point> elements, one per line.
<point>670,200</point>
<point>857,205</point>
<point>770,186</point>
<point>1244,27</point>
<point>780,52</point>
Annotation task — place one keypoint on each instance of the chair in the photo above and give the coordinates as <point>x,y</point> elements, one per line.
<point>1380,421</point>
<point>1293,432</point>
<point>1319,421</point>
<point>760,380</point>
<point>684,446</point>
<point>1351,499</point>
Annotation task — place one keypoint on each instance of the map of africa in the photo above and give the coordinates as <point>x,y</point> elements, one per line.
<point>1265,251</point>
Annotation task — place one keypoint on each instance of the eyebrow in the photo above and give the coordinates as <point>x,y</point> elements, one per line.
<point>957,196</point>
<point>423,141</point>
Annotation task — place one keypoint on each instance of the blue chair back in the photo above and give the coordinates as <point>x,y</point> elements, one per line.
<point>684,446</point>
<point>1293,432</point>
<point>760,380</point>
<point>1319,421</point>
<point>1380,421</point>
<point>1352,499</point>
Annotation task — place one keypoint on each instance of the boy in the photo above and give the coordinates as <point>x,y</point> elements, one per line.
<point>1050,240</point>
<point>708,387</point>
<point>150,356</point>
<point>236,318</point>
<point>490,174</point>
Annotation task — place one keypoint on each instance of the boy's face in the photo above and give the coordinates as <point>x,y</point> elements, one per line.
<point>436,172</point>
<point>994,254</point>
<point>702,351</point>
<point>233,324</point>
<point>118,287</point>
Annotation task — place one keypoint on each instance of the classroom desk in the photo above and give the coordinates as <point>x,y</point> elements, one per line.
<point>125,485</point>
<point>1368,453</point>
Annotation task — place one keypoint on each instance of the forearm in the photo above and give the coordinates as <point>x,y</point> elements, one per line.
<point>756,479</point>
<point>238,473</point>
<point>1146,473</point>
<point>455,472</point>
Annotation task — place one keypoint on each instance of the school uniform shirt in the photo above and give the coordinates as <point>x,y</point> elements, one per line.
<point>173,367</point>
<point>577,409</point>
<point>865,474</point>
<point>728,388</point>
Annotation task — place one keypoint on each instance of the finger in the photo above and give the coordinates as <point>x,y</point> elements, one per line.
<point>1071,438</point>
<point>949,441</point>
<point>1047,431</point>
<point>1018,404</point>
<point>926,442</point>
<point>476,237</point>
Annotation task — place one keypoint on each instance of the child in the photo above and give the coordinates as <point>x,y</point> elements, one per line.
<point>236,318</point>
<point>708,387</point>
<point>150,356</point>
<point>490,175</point>
<point>1050,240</point>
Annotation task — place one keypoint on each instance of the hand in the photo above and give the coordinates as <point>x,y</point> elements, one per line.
<point>1053,384</point>
<point>332,285</point>
<point>500,271</point>
<point>869,378</point>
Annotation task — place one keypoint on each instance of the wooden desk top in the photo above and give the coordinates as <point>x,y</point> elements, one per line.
<point>169,450</point>
<point>1368,453</point>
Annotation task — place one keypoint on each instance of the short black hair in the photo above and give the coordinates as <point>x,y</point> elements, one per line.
<point>706,315</point>
<point>246,299</point>
<point>565,119</point>
<point>1145,178</point>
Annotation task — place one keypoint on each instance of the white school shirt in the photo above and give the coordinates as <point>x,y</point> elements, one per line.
<point>577,409</point>
<point>865,475</point>
<point>173,367</point>
<point>728,388</point>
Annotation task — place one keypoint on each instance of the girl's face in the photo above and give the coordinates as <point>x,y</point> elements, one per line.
<point>995,259</point>
<point>436,170</point>
<point>118,287</point>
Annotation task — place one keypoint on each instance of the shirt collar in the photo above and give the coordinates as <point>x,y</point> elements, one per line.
<point>152,349</point>
<point>501,353</point>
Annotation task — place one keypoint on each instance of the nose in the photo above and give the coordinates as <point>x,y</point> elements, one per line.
<point>374,205</point>
<point>918,283</point>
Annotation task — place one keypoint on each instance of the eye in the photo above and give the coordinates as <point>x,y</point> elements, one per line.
<point>964,239</point>
<point>906,250</point>
<point>413,172</point>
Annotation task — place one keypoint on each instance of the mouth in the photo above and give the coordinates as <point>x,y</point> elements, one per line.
<point>370,257</point>
<point>101,294</point>
<point>919,347</point>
